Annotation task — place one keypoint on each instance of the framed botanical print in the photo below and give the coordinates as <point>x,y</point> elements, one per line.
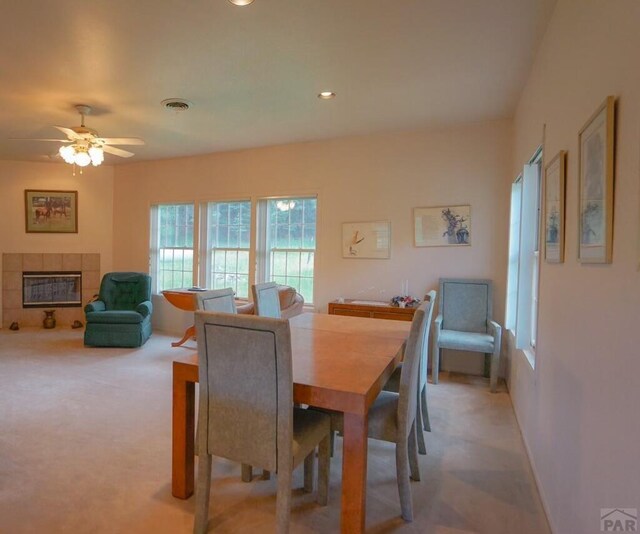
<point>595,191</point>
<point>51,211</point>
<point>554,190</point>
<point>366,240</point>
<point>442,226</point>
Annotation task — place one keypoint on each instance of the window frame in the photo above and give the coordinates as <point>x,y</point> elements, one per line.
<point>207,250</point>
<point>521,317</point>
<point>155,245</point>
<point>264,250</point>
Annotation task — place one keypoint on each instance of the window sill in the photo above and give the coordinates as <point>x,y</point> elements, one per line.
<point>530,356</point>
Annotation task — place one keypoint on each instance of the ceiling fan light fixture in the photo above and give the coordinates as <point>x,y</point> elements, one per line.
<point>97,155</point>
<point>82,159</point>
<point>241,2</point>
<point>326,95</point>
<point>67,153</point>
<point>285,205</point>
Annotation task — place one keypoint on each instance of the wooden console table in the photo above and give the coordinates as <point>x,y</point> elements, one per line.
<point>367,308</point>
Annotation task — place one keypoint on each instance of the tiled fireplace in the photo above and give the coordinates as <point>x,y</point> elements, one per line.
<point>60,269</point>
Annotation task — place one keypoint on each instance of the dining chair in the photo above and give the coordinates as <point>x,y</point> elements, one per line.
<point>246,411</point>
<point>222,300</point>
<point>218,300</point>
<point>393,384</point>
<point>464,322</point>
<point>266,299</point>
<point>393,416</point>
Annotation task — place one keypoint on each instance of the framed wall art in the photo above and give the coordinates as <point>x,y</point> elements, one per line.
<point>366,240</point>
<point>51,211</point>
<point>595,190</point>
<point>554,190</point>
<point>442,226</point>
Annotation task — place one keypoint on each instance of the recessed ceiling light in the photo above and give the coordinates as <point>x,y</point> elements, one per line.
<point>326,95</point>
<point>240,2</point>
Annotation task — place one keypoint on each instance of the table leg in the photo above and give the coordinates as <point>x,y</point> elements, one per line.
<point>182,461</point>
<point>354,473</point>
<point>188,334</point>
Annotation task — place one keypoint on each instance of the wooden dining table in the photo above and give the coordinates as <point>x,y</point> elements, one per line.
<point>339,363</point>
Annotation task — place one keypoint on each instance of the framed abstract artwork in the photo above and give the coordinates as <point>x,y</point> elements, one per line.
<point>366,240</point>
<point>595,190</point>
<point>51,211</point>
<point>554,190</point>
<point>442,226</point>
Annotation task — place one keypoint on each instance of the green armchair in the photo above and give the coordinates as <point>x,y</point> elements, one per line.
<point>121,317</point>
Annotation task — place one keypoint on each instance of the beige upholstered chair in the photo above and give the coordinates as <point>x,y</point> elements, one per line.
<point>218,300</point>
<point>246,411</point>
<point>291,303</point>
<point>392,417</point>
<point>266,300</point>
<point>422,411</point>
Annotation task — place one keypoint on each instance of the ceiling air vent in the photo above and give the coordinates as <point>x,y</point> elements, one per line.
<point>176,104</point>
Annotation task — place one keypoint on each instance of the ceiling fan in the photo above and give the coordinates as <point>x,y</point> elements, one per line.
<point>83,146</point>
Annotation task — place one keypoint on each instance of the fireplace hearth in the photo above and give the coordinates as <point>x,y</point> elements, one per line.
<point>67,293</point>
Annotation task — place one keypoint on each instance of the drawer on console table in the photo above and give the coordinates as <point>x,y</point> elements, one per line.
<point>382,311</point>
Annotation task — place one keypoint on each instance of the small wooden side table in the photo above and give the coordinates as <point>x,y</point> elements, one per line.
<point>185,299</point>
<point>368,308</point>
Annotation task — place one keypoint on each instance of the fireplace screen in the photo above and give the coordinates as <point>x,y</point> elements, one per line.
<point>46,289</point>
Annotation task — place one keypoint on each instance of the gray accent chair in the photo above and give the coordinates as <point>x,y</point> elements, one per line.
<point>266,300</point>
<point>246,411</point>
<point>222,300</point>
<point>422,410</point>
<point>393,416</point>
<point>465,323</point>
<point>218,300</point>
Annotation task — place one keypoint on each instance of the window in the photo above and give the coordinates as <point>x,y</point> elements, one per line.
<point>228,238</point>
<point>215,250</point>
<point>172,246</point>
<point>524,258</point>
<point>287,243</point>
<point>514,254</point>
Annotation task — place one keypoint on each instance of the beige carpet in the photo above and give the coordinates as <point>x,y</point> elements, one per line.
<point>85,447</point>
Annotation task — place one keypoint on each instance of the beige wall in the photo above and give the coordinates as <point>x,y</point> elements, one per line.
<point>95,209</point>
<point>357,179</point>
<point>578,409</point>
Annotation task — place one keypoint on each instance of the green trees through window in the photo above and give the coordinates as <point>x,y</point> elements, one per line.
<point>285,245</point>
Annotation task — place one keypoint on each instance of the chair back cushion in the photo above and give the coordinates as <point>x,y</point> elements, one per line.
<point>246,388</point>
<point>410,370</point>
<point>124,291</point>
<point>266,299</point>
<point>465,305</point>
<point>218,300</point>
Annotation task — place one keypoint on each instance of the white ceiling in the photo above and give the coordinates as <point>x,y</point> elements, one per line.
<point>253,72</point>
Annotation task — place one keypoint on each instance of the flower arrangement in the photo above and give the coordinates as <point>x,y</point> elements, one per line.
<point>406,301</point>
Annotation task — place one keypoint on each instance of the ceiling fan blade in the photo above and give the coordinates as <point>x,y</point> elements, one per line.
<point>68,132</point>
<point>120,140</point>
<point>33,139</point>
<point>117,151</point>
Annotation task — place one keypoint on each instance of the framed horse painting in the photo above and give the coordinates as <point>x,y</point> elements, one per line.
<point>51,211</point>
